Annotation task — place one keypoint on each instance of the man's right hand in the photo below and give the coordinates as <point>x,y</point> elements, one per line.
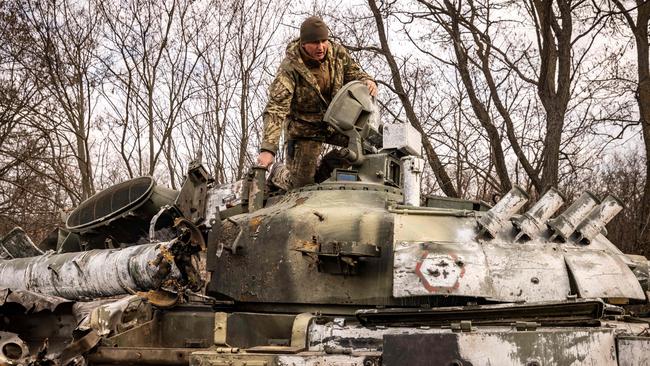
<point>372,87</point>
<point>265,159</point>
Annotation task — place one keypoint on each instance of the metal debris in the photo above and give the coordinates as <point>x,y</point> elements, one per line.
<point>16,244</point>
<point>32,302</point>
<point>108,318</point>
<point>12,348</point>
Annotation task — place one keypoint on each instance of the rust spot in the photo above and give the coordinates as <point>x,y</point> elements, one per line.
<point>299,201</point>
<point>188,228</point>
<point>255,222</point>
<point>169,257</point>
<point>160,298</point>
<point>307,246</point>
<point>249,296</point>
<point>163,261</point>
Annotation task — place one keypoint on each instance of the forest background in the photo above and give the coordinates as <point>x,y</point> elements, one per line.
<point>537,93</point>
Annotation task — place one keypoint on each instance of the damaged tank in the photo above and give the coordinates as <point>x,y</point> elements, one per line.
<point>356,270</point>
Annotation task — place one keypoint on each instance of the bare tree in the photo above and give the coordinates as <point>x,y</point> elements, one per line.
<point>505,68</point>
<point>638,26</point>
<point>479,108</point>
<point>398,88</point>
<point>18,94</point>
<point>63,41</point>
<point>28,196</point>
<point>256,23</point>
<point>152,77</point>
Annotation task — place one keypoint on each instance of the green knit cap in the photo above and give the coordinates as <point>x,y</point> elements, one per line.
<point>313,29</point>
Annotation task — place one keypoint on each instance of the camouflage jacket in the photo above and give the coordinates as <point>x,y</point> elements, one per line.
<point>294,95</point>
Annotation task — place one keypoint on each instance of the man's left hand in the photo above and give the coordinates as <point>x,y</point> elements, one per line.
<point>372,87</point>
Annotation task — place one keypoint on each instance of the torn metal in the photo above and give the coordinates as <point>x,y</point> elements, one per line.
<point>110,317</point>
<point>102,273</point>
<point>16,244</point>
<point>31,301</point>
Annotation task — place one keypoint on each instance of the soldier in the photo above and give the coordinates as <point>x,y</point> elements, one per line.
<point>313,70</point>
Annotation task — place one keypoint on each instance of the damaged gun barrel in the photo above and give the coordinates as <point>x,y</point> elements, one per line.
<point>95,273</point>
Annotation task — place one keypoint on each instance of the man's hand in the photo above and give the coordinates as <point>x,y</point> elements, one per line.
<point>265,159</point>
<point>372,87</point>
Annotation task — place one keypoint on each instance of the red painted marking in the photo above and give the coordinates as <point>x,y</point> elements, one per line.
<point>427,285</point>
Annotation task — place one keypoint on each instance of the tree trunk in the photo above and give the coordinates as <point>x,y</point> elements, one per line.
<point>442,177</point>
<point>481,112</point>
<point>554,79</point>
<point>643,99</point>
<point>554,125</point>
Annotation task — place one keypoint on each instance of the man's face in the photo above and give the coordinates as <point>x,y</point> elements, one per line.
<point>316,50</point>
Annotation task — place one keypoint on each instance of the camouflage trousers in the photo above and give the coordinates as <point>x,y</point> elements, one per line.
<point>303,148</point>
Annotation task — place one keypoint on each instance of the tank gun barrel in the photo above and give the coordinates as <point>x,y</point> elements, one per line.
<point>104,272</point>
